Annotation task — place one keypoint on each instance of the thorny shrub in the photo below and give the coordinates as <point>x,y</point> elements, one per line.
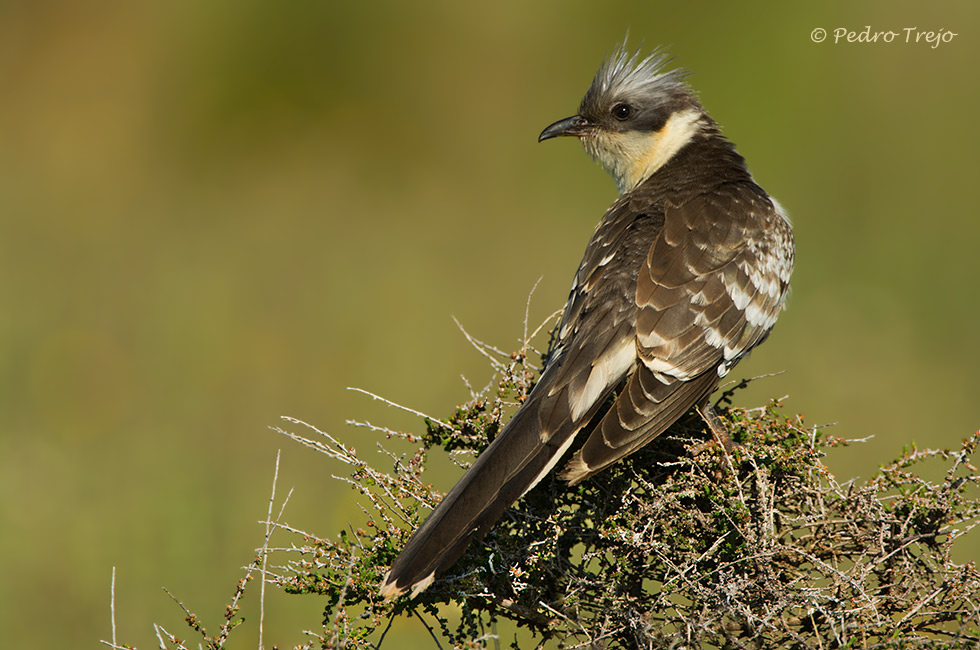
<point>686,544</point>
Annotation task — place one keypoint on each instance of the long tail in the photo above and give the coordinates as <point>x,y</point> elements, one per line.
<point>524,452</point>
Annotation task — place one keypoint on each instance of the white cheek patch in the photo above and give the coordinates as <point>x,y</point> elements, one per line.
<point>677,132</point>
<point>632,157</point>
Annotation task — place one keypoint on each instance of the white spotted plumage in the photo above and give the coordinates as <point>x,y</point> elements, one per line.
<point>684,275</point>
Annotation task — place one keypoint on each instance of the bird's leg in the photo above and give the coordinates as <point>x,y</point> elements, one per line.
<point>717,427</point>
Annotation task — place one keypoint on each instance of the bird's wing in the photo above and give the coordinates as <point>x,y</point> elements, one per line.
<point>596,350</point>
<point>709,290</point>
<point>596,343</point>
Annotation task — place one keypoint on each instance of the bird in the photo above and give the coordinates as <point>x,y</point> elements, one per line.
<point>685,273</point>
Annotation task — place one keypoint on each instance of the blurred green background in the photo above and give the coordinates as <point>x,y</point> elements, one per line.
<point>213,214</point>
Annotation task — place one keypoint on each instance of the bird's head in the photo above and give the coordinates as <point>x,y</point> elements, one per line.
<point>634,117</point>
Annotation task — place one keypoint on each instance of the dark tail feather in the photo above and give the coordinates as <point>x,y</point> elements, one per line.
<point>511,465</point>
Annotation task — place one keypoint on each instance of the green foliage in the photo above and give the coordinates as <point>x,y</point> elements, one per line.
<point>687,544</point>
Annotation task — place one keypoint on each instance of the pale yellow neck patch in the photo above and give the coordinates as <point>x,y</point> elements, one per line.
<point>633,157</point>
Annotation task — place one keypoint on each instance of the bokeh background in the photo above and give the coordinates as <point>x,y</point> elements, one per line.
<point>214,214</point>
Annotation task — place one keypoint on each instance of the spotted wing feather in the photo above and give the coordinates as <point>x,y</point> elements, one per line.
<point>709,290</point>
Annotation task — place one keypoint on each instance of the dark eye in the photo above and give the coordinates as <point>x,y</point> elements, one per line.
<point>622,111</point>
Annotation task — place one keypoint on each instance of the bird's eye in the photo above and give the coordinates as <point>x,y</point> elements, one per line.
<point>622,111</point>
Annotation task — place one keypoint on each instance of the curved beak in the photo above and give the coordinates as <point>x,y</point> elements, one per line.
<point>574,125</point>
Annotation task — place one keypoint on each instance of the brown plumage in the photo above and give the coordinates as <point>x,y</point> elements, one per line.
<point>684,275</point>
